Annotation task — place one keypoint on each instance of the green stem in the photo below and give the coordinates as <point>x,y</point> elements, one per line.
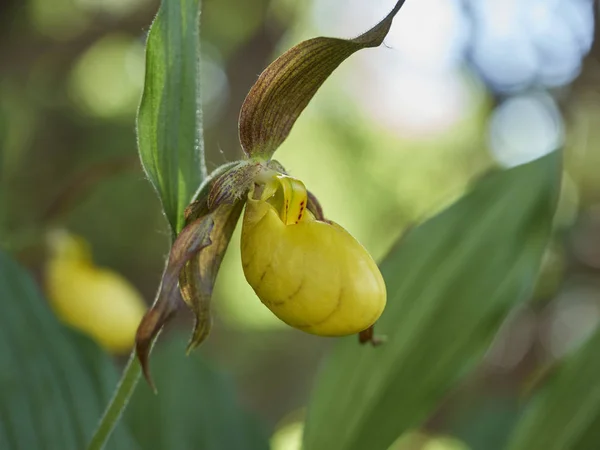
<point>118,403</point>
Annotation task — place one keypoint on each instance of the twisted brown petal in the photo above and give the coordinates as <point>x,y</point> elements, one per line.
<point>197,279</point>
<point>315,207</point>
<point>194,237</point>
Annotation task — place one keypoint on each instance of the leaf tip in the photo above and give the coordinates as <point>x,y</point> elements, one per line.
<point>199,334</point>
<point>149,327</point>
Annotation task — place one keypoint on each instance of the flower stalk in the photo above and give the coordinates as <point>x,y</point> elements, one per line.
<point>114,410</point>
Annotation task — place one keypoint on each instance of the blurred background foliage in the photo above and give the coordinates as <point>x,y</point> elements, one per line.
<point>460,88</point>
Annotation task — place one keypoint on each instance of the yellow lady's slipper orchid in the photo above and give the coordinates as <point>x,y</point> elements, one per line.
<point>311,274</point>
<point>308,271</point>
<point>97,301</point>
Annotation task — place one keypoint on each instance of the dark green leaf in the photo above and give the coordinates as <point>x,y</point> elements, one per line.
<point>451,281</point>
<point>564,412</point>
<point>54,383</point>
<point>289,83</point>
<point>169,119</point>
<point>196,408</point>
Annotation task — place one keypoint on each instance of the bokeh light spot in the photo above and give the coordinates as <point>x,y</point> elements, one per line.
<point>107,80</point>
<point>524,128</point>
<point>288,437</point>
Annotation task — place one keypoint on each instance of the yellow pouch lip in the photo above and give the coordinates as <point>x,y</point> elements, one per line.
<point>281,241</point>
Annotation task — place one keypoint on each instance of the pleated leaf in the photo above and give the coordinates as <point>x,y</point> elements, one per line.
<point>564,412</point>
<point>169,122</point>
<point>54,382</point>
<point>451,282</point>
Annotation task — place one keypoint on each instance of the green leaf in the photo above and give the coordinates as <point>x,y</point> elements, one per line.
<point>196,408</point>
<point>169,122</point>
<point>54,383</point>
<point>564,412</point>
<point>451,281</point>
<point>286,87</point>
